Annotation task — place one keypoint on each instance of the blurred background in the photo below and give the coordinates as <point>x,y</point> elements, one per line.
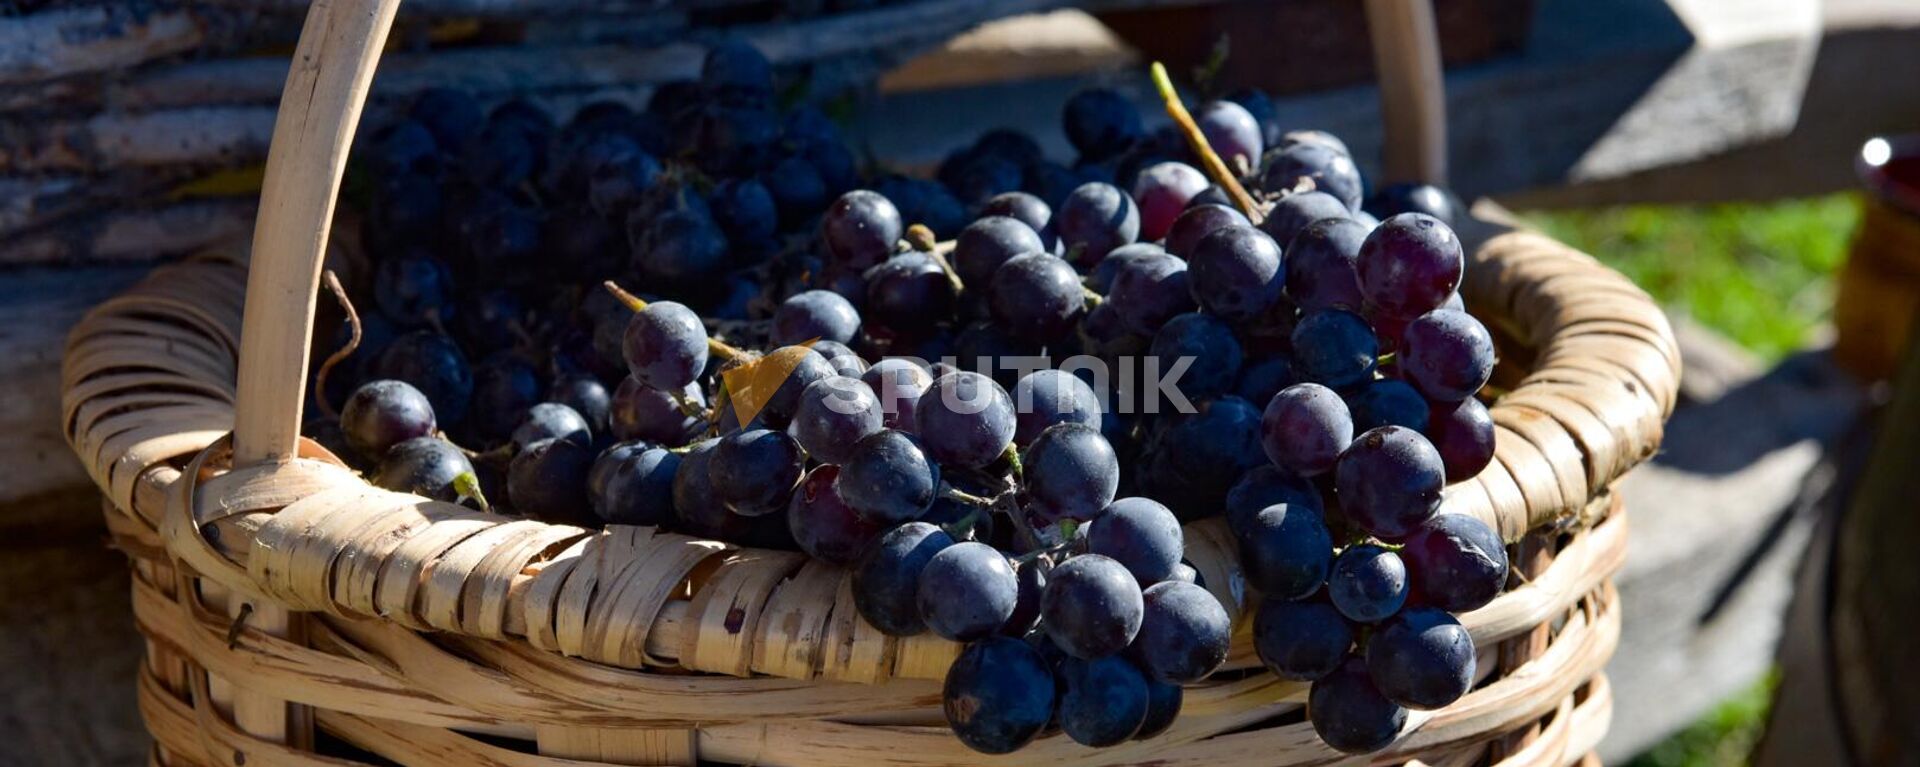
<point>1719,152</point>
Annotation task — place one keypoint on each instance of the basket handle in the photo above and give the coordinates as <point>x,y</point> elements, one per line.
<point>319,109</point>
<point>1413,102</point>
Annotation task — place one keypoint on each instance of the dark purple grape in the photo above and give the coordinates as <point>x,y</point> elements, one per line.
<point>1388,402</point>
<point>734,140</point>
<point>1335,347</point>
<point>1389,481</point>
<point>1102,335</point>
<point>1265,486</point>
<point>1037,296</point>
<point>886,580</point>
<point>1047,397</point>
<point>1434,201</point>
<point>998,695</point>
<point>1025,208</point>
<point>860,229</point>
<point>414,290</point>
<point>433,364</point>
<point>1285,551</point>
<point>734,71</point>
<point>822,523</point>
<point>1300,641</point>
<point>1421,659</point>
<point>505,386</point>
<point>1051,182</point>
<point>964,419</point>
<point>1194,458</point>
<point>1071,473</point>
<point>1260,106</point>
<point>992,351</point>
<point>1092,606</point>
<point>1292,214</point>
<point>798,188</point>
<point>695,504</point>
<point>1100,277</point>
<point>888,478</point>
<point>985,176</point>
<point>1322,265</point>
<point>1208,347</point>
<point>909,294</point>
<point>1409,265</point>
<point>1101,123</point>
<point>834,415</point>
<point>898,384</point>
<point>587,396</point>
<point>617,182</point>
<point>424,466</point>
<point>1262,379</point>
<point>1184,633</point>
<point>551,420</point>
<point>501,156</point>
<point>1196,223</point>
<point>631,483</point>
<point>841,357</point>
<point>1032,578</point>
<point>1149,291</point>
<point>1349,713</point>
<point>967,592</point>
<point>1233,133</point>
<point>1457,562</point>
<point>1140,534</point>
<point>450,114</point>
<point>548,481</point>
<point>796,368</point>
<point>1213,195</point>
<point>1103,701</point>
<point>381,414</point>
<point>1463,434</point>
<point>679,248</point>
<point>744,209</point>
<point>405,211</point>
<point>1305,428</point>
<point>1447,355</point>
<point>754,471</point>
<point>1295,137</point>
<point>1331,171</point>
<point>407,147</point>
<point>1163,708</point>
<point>642,412</point>
<point>989,242</point>
<point>1096,218</point>
<point>815,314</point>
<point>1236,273</point>
<point>665,345</point>
<point>1162,191</point>
<point>1367,584</point>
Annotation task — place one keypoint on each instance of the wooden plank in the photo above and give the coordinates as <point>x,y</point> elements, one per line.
<point>1540,117</point>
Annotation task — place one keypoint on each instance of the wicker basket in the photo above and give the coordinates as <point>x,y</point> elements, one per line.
<point>296,615</point>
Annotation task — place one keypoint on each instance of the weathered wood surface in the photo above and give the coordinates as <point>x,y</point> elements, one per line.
<point>1849,661</point>
<point>1857,89</point>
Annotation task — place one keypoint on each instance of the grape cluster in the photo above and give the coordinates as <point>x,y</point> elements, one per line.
<point>806,369</point>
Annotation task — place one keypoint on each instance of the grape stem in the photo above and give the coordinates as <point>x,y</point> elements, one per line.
<point>1209,160</point>
<point>353,342</point>
<point>1094,300</point>
<point>1386,359</point>
<point>953,493</point>
<point>715,346</point>
<point>921,239</point>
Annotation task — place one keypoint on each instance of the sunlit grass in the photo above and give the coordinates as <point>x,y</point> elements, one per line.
<point>1760,273</point>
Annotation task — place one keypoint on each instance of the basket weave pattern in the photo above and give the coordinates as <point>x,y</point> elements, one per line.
<point>422,625</point>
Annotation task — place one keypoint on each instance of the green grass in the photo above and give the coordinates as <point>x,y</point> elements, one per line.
<point>1723,738</point>
<point>1759,273</point>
